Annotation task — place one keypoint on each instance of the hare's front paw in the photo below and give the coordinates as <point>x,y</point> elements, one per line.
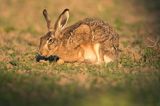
<point>60,61</point>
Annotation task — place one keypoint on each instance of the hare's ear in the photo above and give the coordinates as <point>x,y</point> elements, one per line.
<point>62,20</point>
<point>47,18</point>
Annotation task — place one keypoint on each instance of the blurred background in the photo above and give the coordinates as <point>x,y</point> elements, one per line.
<point>128,17</point>
<point>136,81</point>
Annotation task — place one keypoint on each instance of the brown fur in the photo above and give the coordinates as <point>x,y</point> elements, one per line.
<point>90,40</point>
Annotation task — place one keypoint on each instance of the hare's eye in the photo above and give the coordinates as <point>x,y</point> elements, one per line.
<point>50,41</point>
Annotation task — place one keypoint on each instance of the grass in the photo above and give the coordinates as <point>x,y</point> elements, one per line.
<point>134,81</point>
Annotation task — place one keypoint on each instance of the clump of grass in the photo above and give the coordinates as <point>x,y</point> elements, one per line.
<point>127,61</point>
<point>150,57</point>
<point>13,55</point>
<point>14,62</point>
<point>149,53</point>
<point>3,66</point>
<point>111,66</point>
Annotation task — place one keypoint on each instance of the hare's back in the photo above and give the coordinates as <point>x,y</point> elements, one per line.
<point>97,27</point>
<point>101,31</point>
<point>92,29</point>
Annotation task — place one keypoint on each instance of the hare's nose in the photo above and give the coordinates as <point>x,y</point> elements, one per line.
<point>43,54</point>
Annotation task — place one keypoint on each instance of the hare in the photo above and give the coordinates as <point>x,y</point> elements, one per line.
<point>89,40</point>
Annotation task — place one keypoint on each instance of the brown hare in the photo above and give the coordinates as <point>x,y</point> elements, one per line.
<point>89,40</point>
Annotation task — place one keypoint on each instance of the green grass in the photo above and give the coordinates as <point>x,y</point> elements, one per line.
<point>134,81</point>
<point>31,83</point>
<point>38,87</point>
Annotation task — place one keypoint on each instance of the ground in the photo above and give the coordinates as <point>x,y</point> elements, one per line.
<point>134,81</point>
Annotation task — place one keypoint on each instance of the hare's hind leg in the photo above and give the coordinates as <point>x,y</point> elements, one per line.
<point>88,53</point>
<point>98,52</point>
<point>105,54</point>
<point>107,59</point>
<point>101,55</point>
<point>93,53</point>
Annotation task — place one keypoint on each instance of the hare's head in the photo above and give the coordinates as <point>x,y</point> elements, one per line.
<point>51,41</point>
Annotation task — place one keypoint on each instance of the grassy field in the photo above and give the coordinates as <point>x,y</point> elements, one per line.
<point>135,82</point>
